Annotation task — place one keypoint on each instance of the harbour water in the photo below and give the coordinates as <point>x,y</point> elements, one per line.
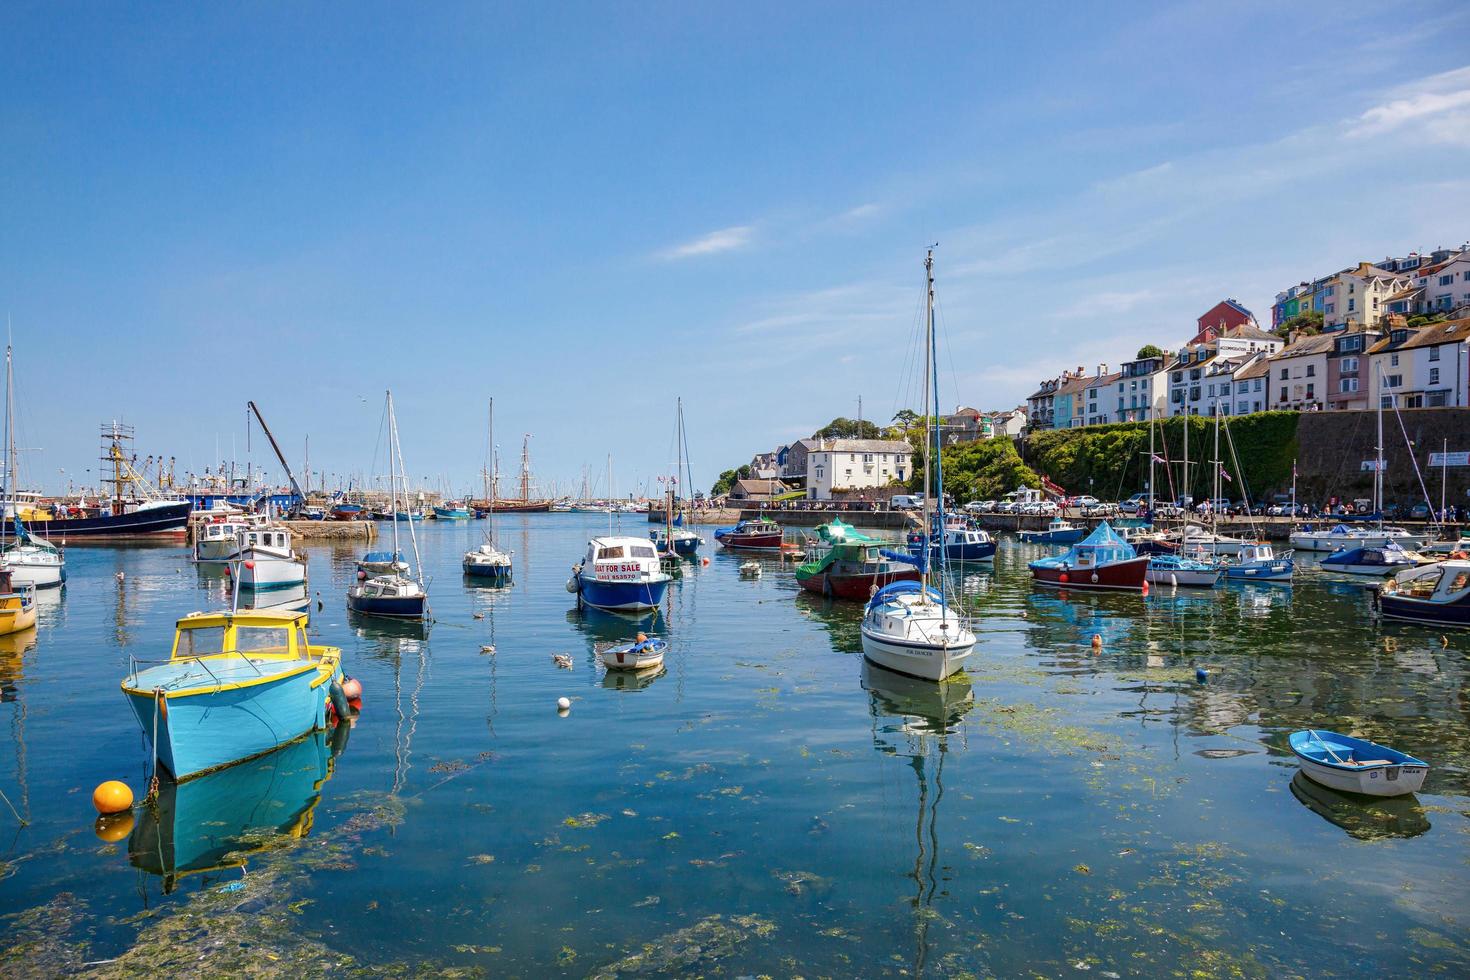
<point>766,805</point>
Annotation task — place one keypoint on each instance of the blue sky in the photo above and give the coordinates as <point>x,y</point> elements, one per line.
<point>587,210</point>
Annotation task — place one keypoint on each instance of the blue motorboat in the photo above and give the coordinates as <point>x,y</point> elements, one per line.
<point>1437,594</point>
<point>1377,561</point>
<point>959,541</point>
<point>236,685</point>
<point>1059,531</point>
<point>678,539</point>
<point>452,512</point>
<point>1257,562</point>
<point>1356,765</point>
<point>619,573</point>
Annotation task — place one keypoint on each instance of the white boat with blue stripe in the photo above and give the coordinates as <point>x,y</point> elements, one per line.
<point>1356,765</point>
<point>619,573</point>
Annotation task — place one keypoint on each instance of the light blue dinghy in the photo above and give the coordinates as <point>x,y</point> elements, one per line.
<point>1355,765</point>
<point>237,685</point>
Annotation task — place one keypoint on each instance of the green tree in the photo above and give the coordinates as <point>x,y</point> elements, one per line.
<point>727,480</point>
<point>1148,350</point>
<point>845,428</point>
<point>982,470</point>
<point>1308,323</point>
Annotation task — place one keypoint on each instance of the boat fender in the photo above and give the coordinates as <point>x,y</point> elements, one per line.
<point>338,700</point>
<point>1094,578</point>
<point>361,575</point>
<point>1201,674</point>
<point>572,584</point>
<point>1064,577</point>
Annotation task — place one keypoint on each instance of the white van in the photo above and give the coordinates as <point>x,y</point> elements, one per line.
<point>906,501</point>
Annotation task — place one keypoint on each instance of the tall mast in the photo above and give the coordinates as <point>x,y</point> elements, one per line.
<point>927,531</point>
<point>10,467</point>
<point>1215,502</point>
<point>491,440</point>
<point>393,476</point>
<point>1150,469</point>
<point>526,468</point>
<point>1378,460</point>
<point>932,357</point>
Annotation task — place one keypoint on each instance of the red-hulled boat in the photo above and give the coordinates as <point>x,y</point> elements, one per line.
<point>760,534</point>
<point>1103,560</point>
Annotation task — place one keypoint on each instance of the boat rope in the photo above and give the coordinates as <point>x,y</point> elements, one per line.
<point>159,703</point>
<point>23,821</point>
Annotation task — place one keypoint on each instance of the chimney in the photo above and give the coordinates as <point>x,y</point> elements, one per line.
<point>1397,320</point>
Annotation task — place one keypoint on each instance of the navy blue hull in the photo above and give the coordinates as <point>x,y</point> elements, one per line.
<point>1423,611</point>
<point>488,573</point>
<point>166,520</point>
<point>624,596</point>
<point>393,607</point>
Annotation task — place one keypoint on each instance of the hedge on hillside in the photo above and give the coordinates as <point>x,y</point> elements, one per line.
<point>1111,461</point>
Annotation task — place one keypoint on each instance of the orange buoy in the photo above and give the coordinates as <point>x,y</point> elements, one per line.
<point>113,827</point>
<point>352,687</point>
<point>1064,577</point>
<point>642,637</point>
<point>1145,588</point>
<point>112,797</point>
<point>1097,641</point>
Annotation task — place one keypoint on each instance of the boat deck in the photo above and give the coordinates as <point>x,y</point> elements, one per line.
<point>229,670</point>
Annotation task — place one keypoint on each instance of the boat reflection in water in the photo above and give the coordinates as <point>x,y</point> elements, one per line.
<point>840,619</point>
<point>1362,817</point>
<point>610,626</point>
<point>216,822</point>
<point>632,680</point>
<point>913,720</point>
<point>292,598</point>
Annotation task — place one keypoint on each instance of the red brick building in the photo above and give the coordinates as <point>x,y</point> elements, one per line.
<point>1224,315</point>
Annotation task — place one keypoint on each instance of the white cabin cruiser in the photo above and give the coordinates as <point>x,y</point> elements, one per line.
<point>265,560</point>
<point>1345,536</point>
<point>35,562</point>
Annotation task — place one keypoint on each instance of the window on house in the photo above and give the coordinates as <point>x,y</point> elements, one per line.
<point>1311,370</point>
<point>1352,305</point>
<point>1259,382</point>
<point>1311,391</point>
<point>1385,401</point>
<point>1284,374</point>
<point>1394,380</point>
<point>1434,353</point>
<point>1331,308</point>
<point>1393,360</point>
<point>1349,365</point>
<point>1434,376</point>
<point>1446,280</point>
<point>1348,385</point>
<point>1283,395</point>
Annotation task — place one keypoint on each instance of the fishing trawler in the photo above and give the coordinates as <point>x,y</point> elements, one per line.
<point>137,509</point>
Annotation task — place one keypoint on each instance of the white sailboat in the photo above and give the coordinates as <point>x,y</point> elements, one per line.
<point>395,595</point>
<point>487,561</point>
<point>909,627</point>
<point>30,560</point>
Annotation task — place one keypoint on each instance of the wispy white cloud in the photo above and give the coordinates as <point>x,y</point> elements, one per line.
<point>724,240</point>
<point>1437,107</point>
<point>861,213</point>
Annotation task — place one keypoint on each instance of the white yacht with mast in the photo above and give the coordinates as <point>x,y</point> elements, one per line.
<point>29,560</point>
<point>908,626</point>
<point>394,594</point>
<point>487,561</point>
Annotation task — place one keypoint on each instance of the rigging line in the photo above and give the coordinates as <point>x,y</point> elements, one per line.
<point>948,349</point>
<point>1412,458</point>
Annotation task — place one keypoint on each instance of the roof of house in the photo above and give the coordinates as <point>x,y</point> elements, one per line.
<point>1248,332</point>
<point>1429,335</point>
<point>1403,294</point>
<point>1307,346</point>
<point>1239,309</point>
<point>1073,385</point>
<point>1257,368</point>
<point>863,446</point>
<point>767,487</point>
<point>1103,380</point>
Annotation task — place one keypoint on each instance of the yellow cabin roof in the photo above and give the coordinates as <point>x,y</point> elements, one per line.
<point>245,617</point>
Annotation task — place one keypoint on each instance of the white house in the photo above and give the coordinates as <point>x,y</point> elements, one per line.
<point>1422,367</point>
<point>1141,390</point>
<point>855,464</point>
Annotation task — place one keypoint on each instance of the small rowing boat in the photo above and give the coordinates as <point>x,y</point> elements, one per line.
<point>1355,765</point>
<point>645,653</point>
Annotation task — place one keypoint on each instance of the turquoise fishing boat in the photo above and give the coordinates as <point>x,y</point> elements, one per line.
<point>236,685</point>
<point>452,511</point>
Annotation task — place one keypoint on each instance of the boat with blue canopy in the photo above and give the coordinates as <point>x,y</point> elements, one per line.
<point>958,539</point>
<point>1102,561</point>
<point>382,563</point>
<point>1375,561</point>
<point>1356,765</point>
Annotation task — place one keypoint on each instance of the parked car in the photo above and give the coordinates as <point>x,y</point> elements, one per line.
<point>1220,505</point>
<point>1048,508</point>
<point>1006,507</point>
<point>1085,501</point>
<point>1134,504</point>
<point>1420,512</point>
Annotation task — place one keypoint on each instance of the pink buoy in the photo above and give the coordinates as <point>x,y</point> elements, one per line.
<point>352,687</point>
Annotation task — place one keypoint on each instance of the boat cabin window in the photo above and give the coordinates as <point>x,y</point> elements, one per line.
<point>642,551</point>
<point>1460,583</point>
<point>200,642</point>
<point>261,638</point>
<point>616,551</point>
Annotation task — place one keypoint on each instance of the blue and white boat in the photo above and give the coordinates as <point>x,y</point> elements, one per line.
<point>1356,765</point>
<point>392,594</point>
<point>680,540</point>
<point>644,653</point>
<point>1257,562</point>
<point>487,562</point>
<point>1377,561</point>
<point>909,627</point>
<point>1436,594</point>
<point>452,511</point>
<point>236,685</point>
<point>619,573</point>
<point>959,541</point>
<point>1059,531</point>
<point>1178,570</point>
<point>264,560</point>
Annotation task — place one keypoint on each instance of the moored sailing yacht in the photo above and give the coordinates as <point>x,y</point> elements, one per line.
<point>395,594</point>
<point>31,561</point>
<point>908,626</point>
<point>487,561</point>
